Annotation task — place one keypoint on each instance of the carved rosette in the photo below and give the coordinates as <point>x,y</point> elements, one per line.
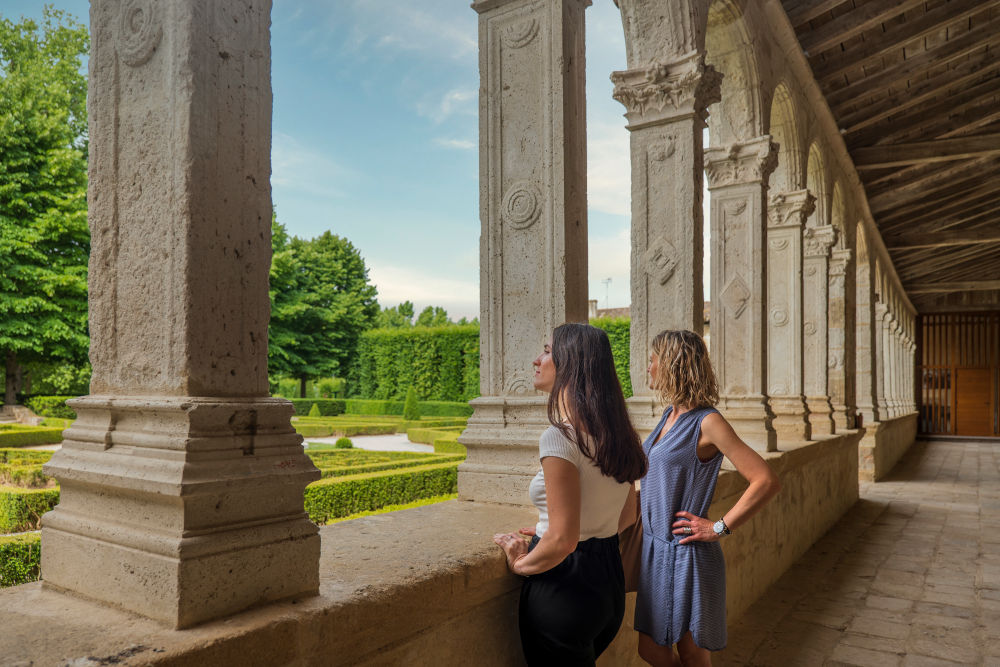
<point>519,34</point>
<point>140,29</point>
<point>518,387</point>
<point>818,241</point>
<point>521,206</point>
<point>735,297</point>
<point>790,209</point>
<point>741,163</point>
<point>662,90</point>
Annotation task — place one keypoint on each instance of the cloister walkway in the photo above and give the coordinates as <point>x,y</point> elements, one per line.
<point>909,576</point>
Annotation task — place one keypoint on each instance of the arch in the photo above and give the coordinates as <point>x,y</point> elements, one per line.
<point>784,129</point>
<point>729,49</point>
<point>816,182</point>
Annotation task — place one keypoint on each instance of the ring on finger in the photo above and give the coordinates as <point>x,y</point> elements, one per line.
<point>687,530</point>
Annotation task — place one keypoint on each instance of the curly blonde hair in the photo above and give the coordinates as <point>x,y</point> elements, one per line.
<point>685,375</point>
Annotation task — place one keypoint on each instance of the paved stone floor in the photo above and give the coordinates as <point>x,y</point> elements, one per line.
<point>909,576</point>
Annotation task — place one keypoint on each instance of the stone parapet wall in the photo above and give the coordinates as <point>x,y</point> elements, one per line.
<point>883,444</point>
<point>425,586</point>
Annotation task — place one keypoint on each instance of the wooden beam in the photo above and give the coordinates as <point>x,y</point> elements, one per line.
<point>924,152</point>
<point>941,54</point>
<point>987,213</point>
<point>865,16</point>
<point>949,194</point>
<point>905,192</point>
<point>833,66</point>
<point>920,92</point>
<point>959,207</point>
<point>941,239</point>
<point>803,12</point>
<point>930,120</point>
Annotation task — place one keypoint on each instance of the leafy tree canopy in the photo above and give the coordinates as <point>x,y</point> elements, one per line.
<point>321,302</point>
<point>44,240</point>
<point>396,317</point>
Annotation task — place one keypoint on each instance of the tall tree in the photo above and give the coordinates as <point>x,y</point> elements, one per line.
<point>321,302</point>
<point>44,240</point>
<point>433,316</point>
<point>397,317</point>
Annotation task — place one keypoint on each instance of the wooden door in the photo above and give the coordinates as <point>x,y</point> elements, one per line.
<point>974,401</point>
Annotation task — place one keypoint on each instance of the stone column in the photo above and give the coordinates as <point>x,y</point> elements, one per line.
<point>666,107</point>
<point>867,369</point>
<point>786,214</point>
<point>881,363</point>
<point>181,480</point>
<point>737,179</point>
<point>897,365</point>
<point>815,298</point>
<point>533,212</point>
<point>842,337</point>
<point>911,351</point>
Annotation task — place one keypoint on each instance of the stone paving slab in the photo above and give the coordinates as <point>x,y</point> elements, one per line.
<point>909,576</point>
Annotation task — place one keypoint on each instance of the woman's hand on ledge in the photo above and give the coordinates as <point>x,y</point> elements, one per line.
<point>514,545</point>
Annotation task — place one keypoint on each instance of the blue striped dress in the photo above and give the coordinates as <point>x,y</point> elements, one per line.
<point>682,587</point>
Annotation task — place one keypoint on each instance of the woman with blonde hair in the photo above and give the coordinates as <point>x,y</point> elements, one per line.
<point>681,596</point>
<point>573,599</point>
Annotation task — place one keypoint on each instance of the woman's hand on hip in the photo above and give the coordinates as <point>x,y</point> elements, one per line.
<point>693,528</point>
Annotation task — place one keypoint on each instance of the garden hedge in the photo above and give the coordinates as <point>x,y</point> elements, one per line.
<point>22,509</point>
<point>618,330</point>
<point>51,406</point>
<point>361,406</point>
<point>29,476</point>
<point>449,445</point>
<point>20,559</point>
<point>427,436</point>
<point>387,465</point>
<point>441,363</point>
<point>19,435</point>
<point>328,407</point>
<point>341,496</point>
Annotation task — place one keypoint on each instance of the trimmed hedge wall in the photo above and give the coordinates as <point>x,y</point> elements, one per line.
<point>341,496</point>
<point>619,333</point>
<point>449,444</point>
<point>51,406</point>
<point>20,559</point>
<point>387,465</point>
<point>328,407</point>
<point>18,435</point>
<point>427,436</point>
<point>22,509</point>
<point>441,363</point>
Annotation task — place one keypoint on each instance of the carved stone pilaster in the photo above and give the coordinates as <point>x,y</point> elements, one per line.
<point>866,362</point>
<point>663,31</point>
<point>880,365</point>
<point>841,339</point>
<point>738,177</point>
<point>787,213</point>
<point>533,216</point>
<point>815,327</point>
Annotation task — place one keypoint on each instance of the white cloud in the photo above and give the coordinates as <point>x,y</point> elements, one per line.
<point>458,101</point>
<point>608,169</point>
<point>301,169</point>
<point>397,283</point>
<point>460,144</point>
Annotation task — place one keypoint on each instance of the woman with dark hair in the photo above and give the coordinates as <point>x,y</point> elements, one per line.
<point>681,596</point>
<point>573,600</point>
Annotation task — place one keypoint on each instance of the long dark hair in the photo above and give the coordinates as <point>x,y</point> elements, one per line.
<point>587,387</point>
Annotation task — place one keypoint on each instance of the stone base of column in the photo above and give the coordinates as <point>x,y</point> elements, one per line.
<point>502,441</point>
<point>645,413</point>
<point>820,415</point>
<point>843,418</point>
<point>791,420</point>
<point>181,509</point>
<point>752,420</point>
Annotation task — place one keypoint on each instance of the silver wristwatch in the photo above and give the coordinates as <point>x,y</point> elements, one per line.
<point>721,528</point>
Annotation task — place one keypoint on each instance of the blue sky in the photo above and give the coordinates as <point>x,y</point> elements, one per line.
<point>375,137</point>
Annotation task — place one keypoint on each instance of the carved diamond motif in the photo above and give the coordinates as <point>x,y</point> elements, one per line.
<point>660,260</point>
<point>735,297</point>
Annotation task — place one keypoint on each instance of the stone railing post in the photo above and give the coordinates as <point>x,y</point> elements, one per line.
<point>533,214</point>
<point>815,327</point>
<point>737,179</point>
<point>181,480</point>
<point>786,214</point>
<point>842,337</point>
<point>666,105</point>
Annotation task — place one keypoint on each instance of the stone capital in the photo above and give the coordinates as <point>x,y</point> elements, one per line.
<point>819,240</point>
<point>741,163</point>
<point>661,91</point>
<point>790,209</point>
<point>839,259</point>
<point>881,311</point>
<point>483,6</point>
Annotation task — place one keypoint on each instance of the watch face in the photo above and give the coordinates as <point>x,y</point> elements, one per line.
<point>719,527</point>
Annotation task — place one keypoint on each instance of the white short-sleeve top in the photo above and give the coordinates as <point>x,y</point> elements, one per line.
<point>601,497</point>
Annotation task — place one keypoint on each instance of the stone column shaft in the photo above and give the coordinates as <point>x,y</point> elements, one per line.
<point>815,327</point>
<point>867,367</point>
<point>533,214</point>
<point>842,339</point>
<point>787,213</point>
<point>181,480</point>
<point>737,179</point>
<point>666,107</point>
<point>881,384</point>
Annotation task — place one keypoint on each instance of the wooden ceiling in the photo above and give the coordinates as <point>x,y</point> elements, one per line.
<point>914,86</point>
